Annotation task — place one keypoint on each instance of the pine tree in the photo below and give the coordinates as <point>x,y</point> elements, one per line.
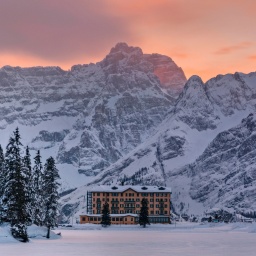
<point>37,199</point>
<point>2,183</point>
<point>27,170</point>
<point>143,217</point>
<point>15,198</point>
<point>51,196</point>
<point>105,217</point>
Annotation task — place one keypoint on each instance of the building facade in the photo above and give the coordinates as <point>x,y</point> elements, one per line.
<point>125,204</point>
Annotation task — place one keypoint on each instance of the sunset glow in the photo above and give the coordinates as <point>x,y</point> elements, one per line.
<point>203,37</point>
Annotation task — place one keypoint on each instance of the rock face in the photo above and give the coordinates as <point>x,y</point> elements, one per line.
<point>201,150</point>
<point>93,114</point>
<point>225,174</point>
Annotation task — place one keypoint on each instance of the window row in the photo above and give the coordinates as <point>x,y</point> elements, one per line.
<point>129,200</point>
<point>131,194</point>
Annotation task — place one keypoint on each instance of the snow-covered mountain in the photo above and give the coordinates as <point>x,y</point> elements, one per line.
<point>92,115</point>
<point>197,149</point>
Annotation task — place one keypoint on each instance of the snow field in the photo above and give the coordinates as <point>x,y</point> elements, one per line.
<point>183,239</point>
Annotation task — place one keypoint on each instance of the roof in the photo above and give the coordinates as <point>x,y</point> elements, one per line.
<point>116,188</point>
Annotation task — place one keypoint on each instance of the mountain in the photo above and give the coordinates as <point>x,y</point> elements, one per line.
<point>92,115</point>
<point>194,143</point>
<point>225,174</point>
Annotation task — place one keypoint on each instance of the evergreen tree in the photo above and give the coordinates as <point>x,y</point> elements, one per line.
<point>37,199</point>
<point>143,217</point>
<point>27,170</point>
<point>15,196</point>
<point>51,196</point>
<point>105,217</point>
<point>2,183</point>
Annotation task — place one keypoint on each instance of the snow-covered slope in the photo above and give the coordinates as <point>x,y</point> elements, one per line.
<point>202,112</point>
<point>92,115</point>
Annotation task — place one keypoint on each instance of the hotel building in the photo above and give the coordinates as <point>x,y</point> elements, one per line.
<point>125,204</point>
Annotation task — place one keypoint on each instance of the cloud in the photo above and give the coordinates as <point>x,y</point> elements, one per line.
<point>234,48</point>
<point>252,57</point>
<point>59,29</point>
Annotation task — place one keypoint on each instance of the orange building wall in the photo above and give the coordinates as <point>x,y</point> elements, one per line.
<point>122,200</point>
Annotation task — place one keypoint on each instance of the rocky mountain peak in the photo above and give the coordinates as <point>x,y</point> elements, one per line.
<point>124,48</point>
<point>124,59</point>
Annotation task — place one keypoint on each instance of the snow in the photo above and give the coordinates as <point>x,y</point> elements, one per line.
<point>145,189</point>
<point>183,239</point>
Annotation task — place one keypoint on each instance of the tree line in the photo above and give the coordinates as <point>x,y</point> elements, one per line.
<point>28,194</point>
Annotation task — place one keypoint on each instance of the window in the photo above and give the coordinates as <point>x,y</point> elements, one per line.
<point>137,199</point>
<point>117,219</point>
<point>165,212</point>
<point>151,200</point>
<point>151,206</point>
<point>157,199</point>
<point>165,206</point>
<point>98,212</point>
<point>93,205</point>
<point>131,219</point>
<point>125,219</point>
<point>83,219</point>
<point>113,219</point>
<point>93,199</point>
<point>98,194</point>
<point>157,205</point>
<point>95,219</point>
<point>151,194</point>
<point>137,205</point>
<point>121,212</point>
<point>99,218</point>
<point>165,200</point>
<point>121,194</point>
<point>152,212</point>
<point>121,219</point>
<point>91,218</point>
<point>157,194</point>
<point>121,205</point>
<point>107,194</point>
<point>121,200</point>
<point>157,212</point>
<point>103,194</point>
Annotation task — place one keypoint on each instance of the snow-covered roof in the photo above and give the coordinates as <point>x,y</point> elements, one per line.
<point>116,188</point>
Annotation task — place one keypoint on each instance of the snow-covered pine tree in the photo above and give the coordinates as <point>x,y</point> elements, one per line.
<point>2,183</point>
<point>37,199</point>
<point>27,170</point>
<point>14,198</point>
<point>143,217</point>
<point>51,196</point>
<point>105,217</point>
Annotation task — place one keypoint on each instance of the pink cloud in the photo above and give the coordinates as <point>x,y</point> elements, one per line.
<point>59,30</point>
<point>233,48</point>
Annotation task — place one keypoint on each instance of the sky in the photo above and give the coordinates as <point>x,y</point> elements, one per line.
<point>204,37</point>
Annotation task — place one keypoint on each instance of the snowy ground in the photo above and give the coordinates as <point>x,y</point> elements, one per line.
<point>184,239</point>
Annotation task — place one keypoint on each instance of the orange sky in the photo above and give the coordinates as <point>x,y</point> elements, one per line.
<point>204,37</point>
